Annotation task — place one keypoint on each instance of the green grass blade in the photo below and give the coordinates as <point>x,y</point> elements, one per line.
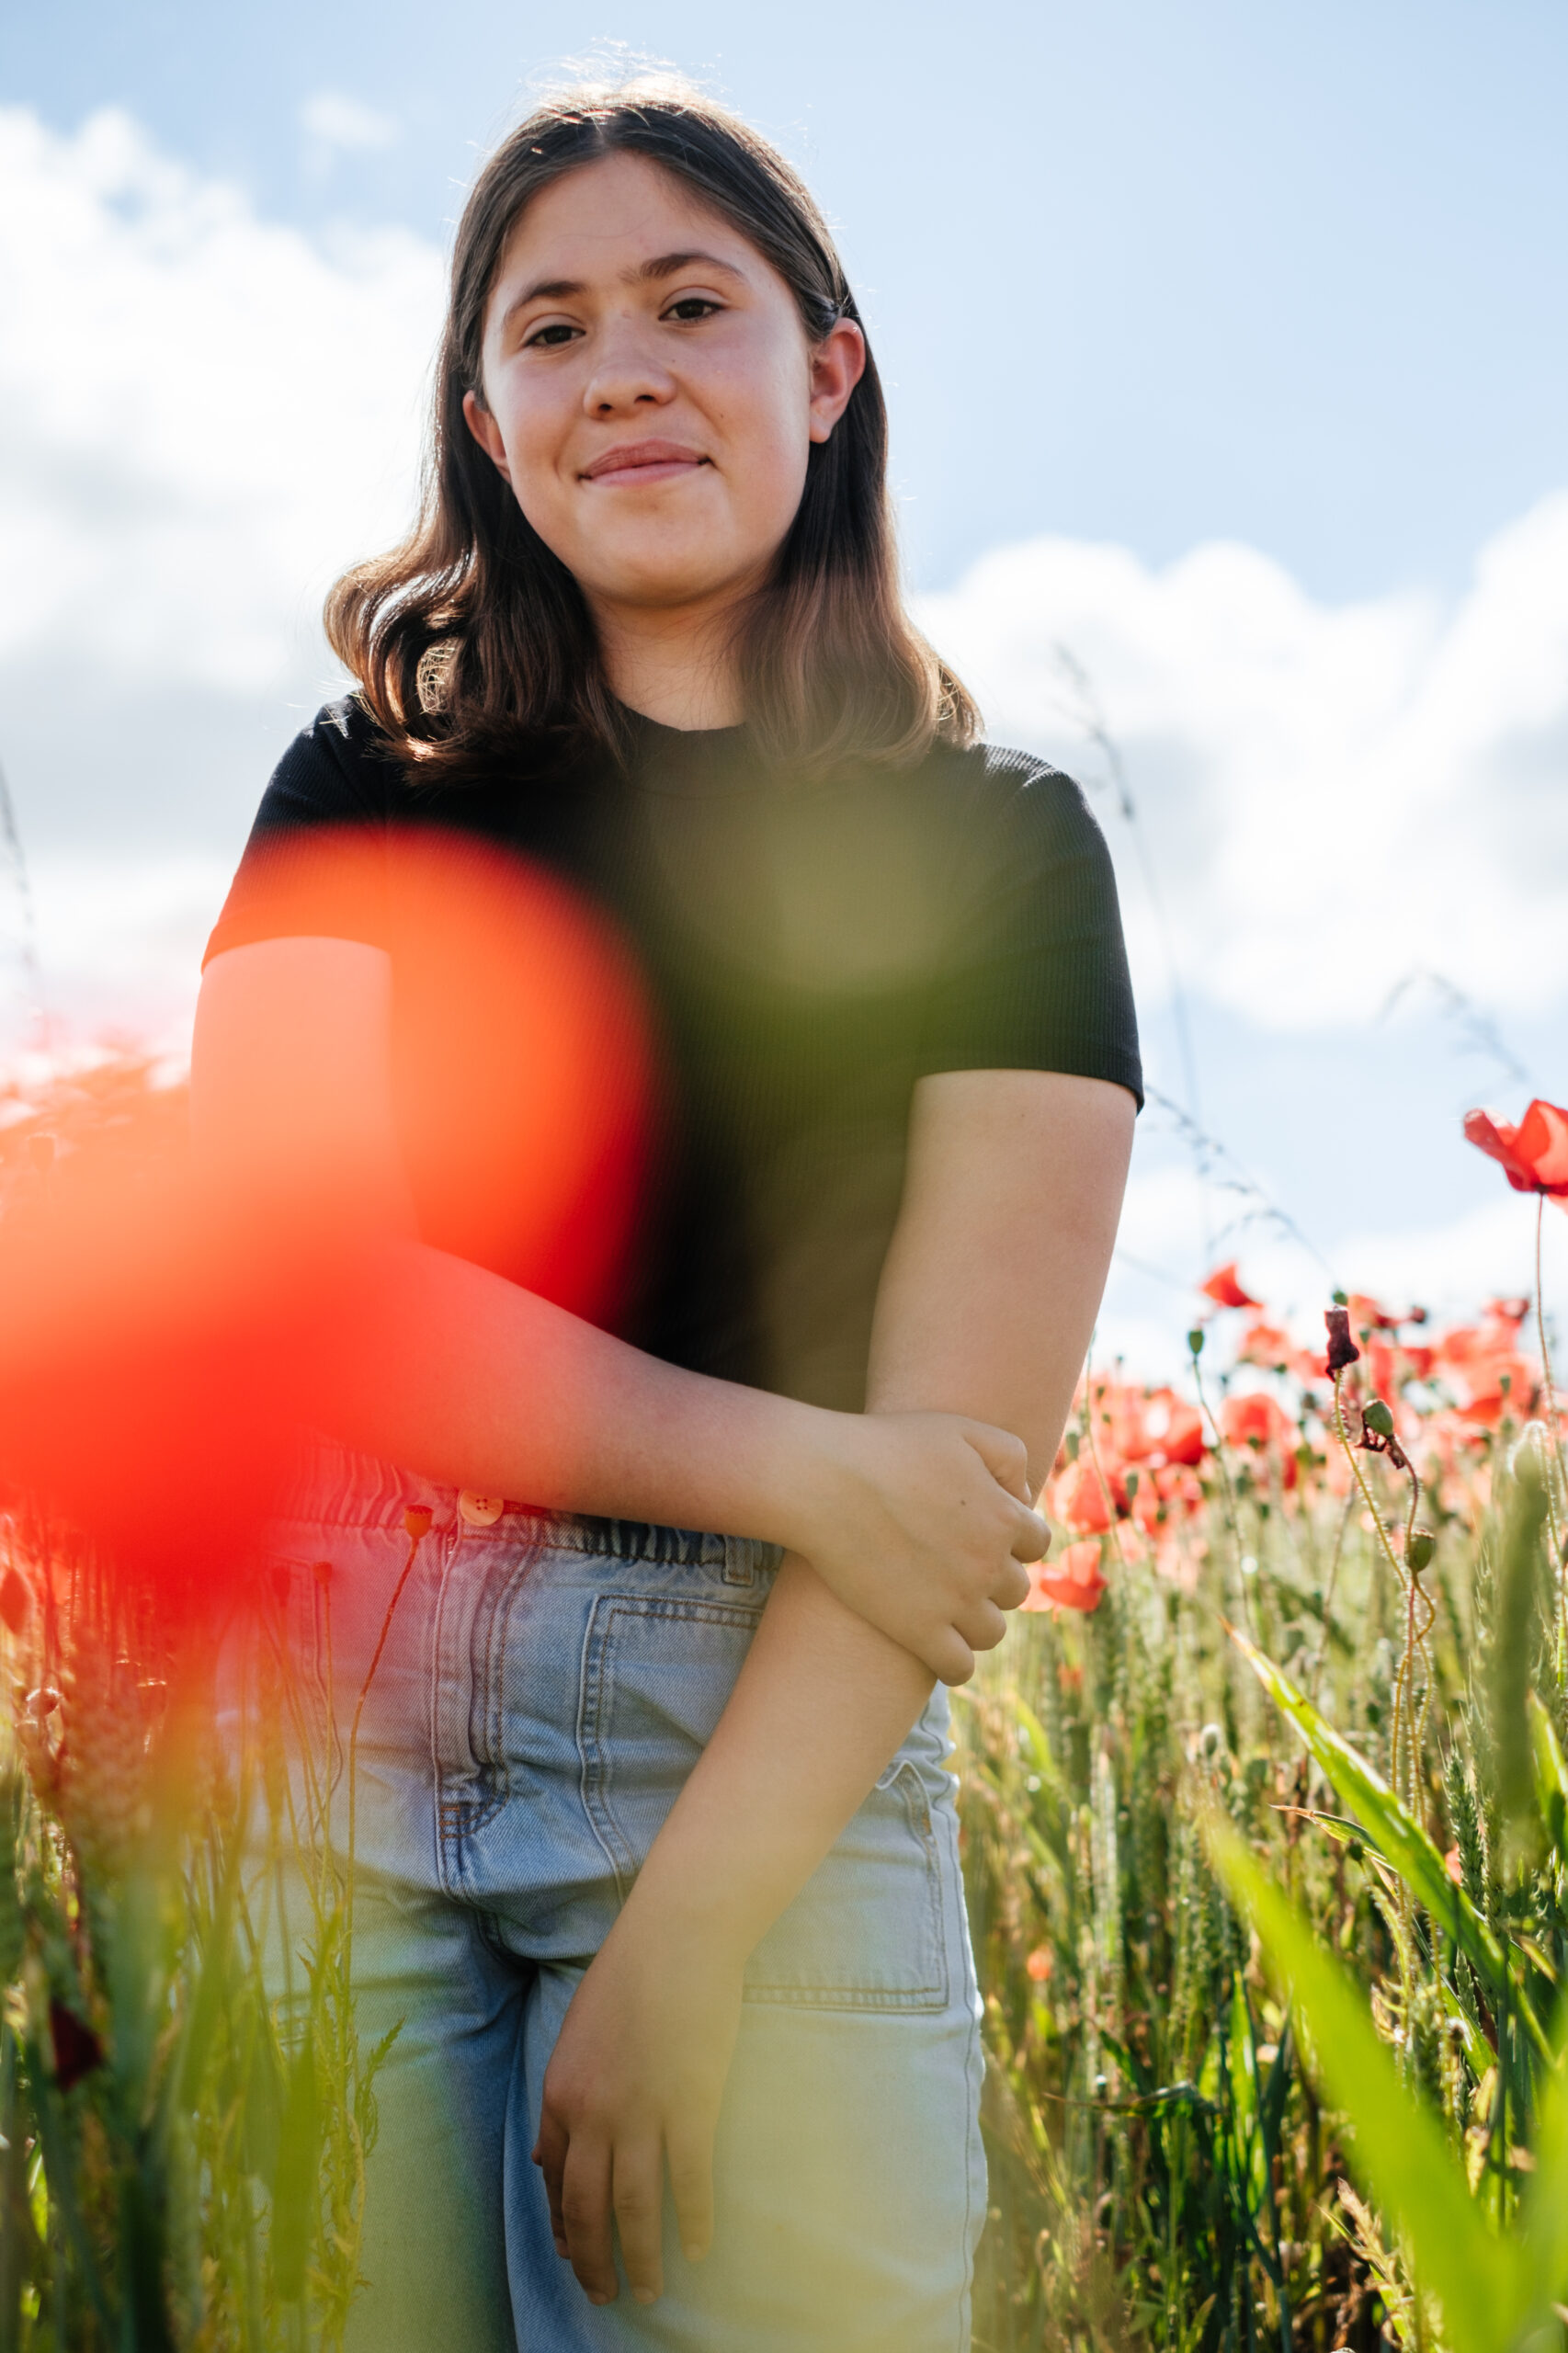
<point>1401,2147</point>
<point>1544,2215</point>
<point>1551,1775</point>
<point>1399,1837</point>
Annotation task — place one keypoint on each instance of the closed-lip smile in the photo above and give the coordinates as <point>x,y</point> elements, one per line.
<point>643,462</point>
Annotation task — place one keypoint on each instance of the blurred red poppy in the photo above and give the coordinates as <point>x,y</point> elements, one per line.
<point>1079,1498</point>
<point>1257,1421</point>
<point>1533,1155</point>
<point>1073,1582</point>
<point>1223,1289</point>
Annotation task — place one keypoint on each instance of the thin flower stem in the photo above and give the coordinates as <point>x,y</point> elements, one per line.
<point>415,1537</point>
<point>1559,1551</point>
<point>1232,1517</point>
<point>1402,1895</point>
<point>1328,1598</point>
<point>1105,1491</point>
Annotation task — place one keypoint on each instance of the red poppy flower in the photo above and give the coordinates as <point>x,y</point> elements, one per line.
<point>1266,1343</point>
<point>1223,1289</point>
<point>1257,1421</point>
<point>1173,1429</point>
<point>1073,1582</point>
<point>1079,1497</point>
<point>1534,1155</point>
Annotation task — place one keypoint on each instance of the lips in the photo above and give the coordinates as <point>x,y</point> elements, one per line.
<point>643,462</point>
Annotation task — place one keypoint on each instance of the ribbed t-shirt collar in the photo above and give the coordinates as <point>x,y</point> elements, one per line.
<point>697,762</point>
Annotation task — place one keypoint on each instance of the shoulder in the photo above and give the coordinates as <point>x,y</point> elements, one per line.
<point>339,770</point>
<point>1014,804</point>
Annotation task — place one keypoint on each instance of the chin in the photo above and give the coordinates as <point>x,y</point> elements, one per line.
<point>657,581</point>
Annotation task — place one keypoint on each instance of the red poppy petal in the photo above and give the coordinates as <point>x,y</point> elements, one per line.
<point>1496,1138</point>
<point>1541,1143</point>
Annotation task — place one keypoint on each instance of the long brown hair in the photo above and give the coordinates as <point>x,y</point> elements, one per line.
<point>473,634</point>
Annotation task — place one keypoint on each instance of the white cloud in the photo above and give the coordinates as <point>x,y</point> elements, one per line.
<point>203,415</point>
<point>338,123</point>
<point>1448,1267</point>
<point>1333,796</point>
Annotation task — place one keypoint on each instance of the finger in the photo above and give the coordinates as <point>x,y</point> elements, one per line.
<point>1006,1457</point>
<point>550,2156</point>
<point>982,1626</point>
<point>584,2214</point>
<point>949,1656</point>
<point>1013,1586</point>
<point>1032,1539</point>
<point>638,2189</point>
<point>690,2155</point>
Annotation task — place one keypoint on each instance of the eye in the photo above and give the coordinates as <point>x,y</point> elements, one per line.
<point>689,308</point>
<point>550,337</point>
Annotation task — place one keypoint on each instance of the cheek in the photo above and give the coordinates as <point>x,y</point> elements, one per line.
<point>772,443</point>
<point>531,449</point>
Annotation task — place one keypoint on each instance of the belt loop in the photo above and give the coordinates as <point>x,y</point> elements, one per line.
<point>738,1560</point>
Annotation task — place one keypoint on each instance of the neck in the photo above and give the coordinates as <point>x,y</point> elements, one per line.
<point>677,666</point>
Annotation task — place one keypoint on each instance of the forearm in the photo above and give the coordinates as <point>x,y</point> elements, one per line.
<point>983,1310</point>
<point>466,1378</point>
<point>822,1703</point>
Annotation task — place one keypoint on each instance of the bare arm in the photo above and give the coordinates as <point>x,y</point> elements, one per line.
<point>987,1300</point>
<point>913,1520</point>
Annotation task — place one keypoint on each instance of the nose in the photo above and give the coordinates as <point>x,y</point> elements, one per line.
<point>627,373</point>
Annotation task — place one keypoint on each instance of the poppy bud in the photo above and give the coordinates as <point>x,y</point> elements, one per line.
<point>1377,1418</point>
<point>1342,1349</point>
<point>1419,1547</point>
<point>77,2050</point>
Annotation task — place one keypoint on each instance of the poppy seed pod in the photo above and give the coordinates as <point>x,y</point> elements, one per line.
<point>1377,1418</point>
<point>1419,1547</point>
<point>1342,1349</point>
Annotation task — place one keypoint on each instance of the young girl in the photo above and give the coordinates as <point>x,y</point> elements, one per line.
<point>656,1858</point>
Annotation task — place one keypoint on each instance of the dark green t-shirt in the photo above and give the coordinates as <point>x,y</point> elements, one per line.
<point>806,953</point>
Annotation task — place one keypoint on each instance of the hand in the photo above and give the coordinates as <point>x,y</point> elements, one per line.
<point>921,1523</point>
<point>634,2082</point>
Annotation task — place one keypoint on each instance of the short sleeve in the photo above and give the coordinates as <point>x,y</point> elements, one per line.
<point>315,863</point>
<point>1036,977</point>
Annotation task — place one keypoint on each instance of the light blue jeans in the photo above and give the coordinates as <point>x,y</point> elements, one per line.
<point>545,1688</point>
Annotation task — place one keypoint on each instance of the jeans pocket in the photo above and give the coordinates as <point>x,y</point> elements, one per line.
<point>657,1671</point>
<point>865,1932</point>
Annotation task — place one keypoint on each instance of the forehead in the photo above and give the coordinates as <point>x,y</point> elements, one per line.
<point>600,221</point>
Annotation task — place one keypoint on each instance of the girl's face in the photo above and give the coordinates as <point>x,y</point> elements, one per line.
<point>650,393</point>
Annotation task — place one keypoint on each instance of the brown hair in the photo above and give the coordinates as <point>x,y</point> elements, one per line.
<point>472,632</point>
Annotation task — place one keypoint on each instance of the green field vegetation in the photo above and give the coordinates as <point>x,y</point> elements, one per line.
<point>1269,1869</point>
<point>1266,1837</point>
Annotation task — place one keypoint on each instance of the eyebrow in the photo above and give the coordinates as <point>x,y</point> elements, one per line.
<point>561,290</point>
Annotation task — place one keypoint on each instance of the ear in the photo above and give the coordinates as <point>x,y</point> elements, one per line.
<point>487,433</point>
<point>838,362</point>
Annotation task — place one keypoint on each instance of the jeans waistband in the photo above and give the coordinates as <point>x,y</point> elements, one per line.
<point>334,1486</point>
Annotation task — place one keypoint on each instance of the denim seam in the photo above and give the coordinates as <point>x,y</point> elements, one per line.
<point>462,1819</point>
<point>597,1693</point>
<point>927,2000</point>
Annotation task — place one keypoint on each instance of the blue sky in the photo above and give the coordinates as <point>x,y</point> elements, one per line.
<point>1227,347</point>
<point>1292,274</point>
